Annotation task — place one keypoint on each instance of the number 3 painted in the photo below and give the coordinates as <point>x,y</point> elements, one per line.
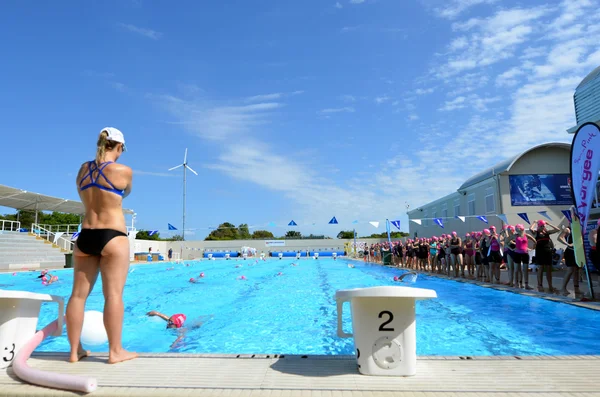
<point>382,326</point>
<point>12,354</point>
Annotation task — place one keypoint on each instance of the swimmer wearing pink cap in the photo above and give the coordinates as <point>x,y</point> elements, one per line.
<point>175,321</point>
<point>544,247</point>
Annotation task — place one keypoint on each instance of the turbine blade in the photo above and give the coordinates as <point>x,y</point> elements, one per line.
<point>190,168</point>
<point>171,169</point>
<point>185,157</point>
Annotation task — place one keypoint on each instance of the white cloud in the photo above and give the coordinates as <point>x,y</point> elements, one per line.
<point>119,86</point>
<point>382,99</point>
<point>456,103</point>
<point>509,77</point>
<point>346,109</point>
<point>454,8</point>
<point>157,174</point>
<point>149,33</point>
<point>413,117</point>
<point>338,5</point>
<point>424,91</point>
<point>264,97</point>
<point>216,121</point>
<point>357,1</point>
<point>348,98</point>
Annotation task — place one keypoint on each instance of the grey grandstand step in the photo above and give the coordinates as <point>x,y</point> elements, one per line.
<point>25,258</point>
<point>33,243</point>
<point>33,265</point>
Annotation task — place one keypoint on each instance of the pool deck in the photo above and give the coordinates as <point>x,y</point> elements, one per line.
<point>323,376</point>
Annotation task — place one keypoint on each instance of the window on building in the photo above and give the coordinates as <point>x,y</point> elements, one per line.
<point>471,204</point>
<point>425,220</point>
<point>445,211</point>
<point>434,214</point>
<point>490,204</point>
<point>457,207</point>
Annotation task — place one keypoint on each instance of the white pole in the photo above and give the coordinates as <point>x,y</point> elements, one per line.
<point>183,231</point>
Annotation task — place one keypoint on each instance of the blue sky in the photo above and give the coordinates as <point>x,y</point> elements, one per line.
<point>297,110</point>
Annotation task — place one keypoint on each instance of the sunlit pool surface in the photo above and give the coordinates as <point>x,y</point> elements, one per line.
<point>295,312</point>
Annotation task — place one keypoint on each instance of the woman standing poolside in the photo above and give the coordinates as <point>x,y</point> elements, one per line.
<point>543,252</point>
<point>102,245</point>
<point>566,238</point>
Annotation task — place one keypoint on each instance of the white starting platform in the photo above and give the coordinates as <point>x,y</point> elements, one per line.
<point>383,327</point>
<point>19,311</point>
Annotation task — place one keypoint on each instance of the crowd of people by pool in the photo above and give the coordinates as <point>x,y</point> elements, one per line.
<point>482,255</point>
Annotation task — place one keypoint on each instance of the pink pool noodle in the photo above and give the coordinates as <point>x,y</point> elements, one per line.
<point>44,378</point>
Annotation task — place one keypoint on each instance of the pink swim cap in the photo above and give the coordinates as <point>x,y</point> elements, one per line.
<point>454,233</point>
<point>487,231</point>
<point>492,227</point>
<point>541,222</point>
<point>468,235</point>
<point>511,227</point>
<point>395,278</point>
<point>192,280</point>
<point>177,320</point>
<point>520,227</point>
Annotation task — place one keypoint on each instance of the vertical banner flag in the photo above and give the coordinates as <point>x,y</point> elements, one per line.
<point>292,223</point>
<point>545,214</point>
<point>482,218</point>
<point>503,218</point>
<point>333,221</point>
<point>171,227</point>
<point>396,224</point>
<point>439,222</point>
<point>387,229</point>
<point>567,215</point>
<point>524,216</point>
<point>585,164</point>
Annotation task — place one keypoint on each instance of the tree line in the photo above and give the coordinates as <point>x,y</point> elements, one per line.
<point>27,218</point>
<point>228,231</point>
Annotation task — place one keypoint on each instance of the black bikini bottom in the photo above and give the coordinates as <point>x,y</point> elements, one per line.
<point>93,241</point>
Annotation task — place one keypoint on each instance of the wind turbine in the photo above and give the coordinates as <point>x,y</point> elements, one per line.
<point>185,168</point>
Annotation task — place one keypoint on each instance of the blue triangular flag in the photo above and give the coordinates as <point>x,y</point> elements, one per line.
<point>272,224</point>
<point>482,218</point>
<point>74,236</point>
<point>524,216</point>
<point>396,224</point>
<point>544,214</point>
<point>439,222</point>
<point>292,223</point>
<point>171,227</point>
<point>333,221</point>
<point>152,232</point>
<point>567,214</point>
<point>354,222</point>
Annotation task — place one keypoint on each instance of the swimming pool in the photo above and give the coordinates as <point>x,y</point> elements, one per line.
<point>295,312</point>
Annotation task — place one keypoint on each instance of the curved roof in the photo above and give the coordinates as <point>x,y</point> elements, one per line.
<point>593,74</point>
<point>23,200</point>
<point>506,165</point>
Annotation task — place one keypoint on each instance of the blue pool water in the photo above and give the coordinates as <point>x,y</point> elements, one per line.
<point>295,313</point>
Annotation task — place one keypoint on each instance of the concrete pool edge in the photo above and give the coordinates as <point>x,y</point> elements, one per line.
<point>228,375</point>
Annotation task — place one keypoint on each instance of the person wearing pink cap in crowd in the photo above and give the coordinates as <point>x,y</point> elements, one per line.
<point>507,237</point>
<point>479,271</point>
<point>543,252</point>
<point>494,255</point>
<point>484,247</point>
<point>566,238</point>
<point>433,250</point>
<point>469,250</point>
<point>520,257</point>
<point>456,255</point>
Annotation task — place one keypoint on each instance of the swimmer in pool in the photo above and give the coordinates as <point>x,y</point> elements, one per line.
<point>177,321</point>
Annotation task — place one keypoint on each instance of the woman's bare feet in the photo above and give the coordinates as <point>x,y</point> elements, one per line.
<point>120,356</point>
<point>81,353</point>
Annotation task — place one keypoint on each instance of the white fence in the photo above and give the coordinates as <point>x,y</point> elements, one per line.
<point>56,238</point>
<point>10,226</point>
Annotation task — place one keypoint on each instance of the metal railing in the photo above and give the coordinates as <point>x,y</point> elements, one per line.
<point>10,226</point>
<point>55,238</point>
<point>69,229</point>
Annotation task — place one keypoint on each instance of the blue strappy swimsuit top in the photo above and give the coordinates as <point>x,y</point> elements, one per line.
<point>92,167</point>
